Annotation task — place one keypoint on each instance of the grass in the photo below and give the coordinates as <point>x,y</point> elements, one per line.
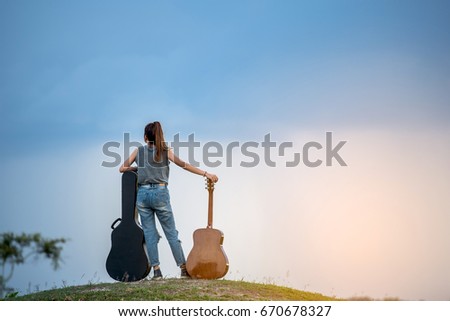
<point>175,290</point>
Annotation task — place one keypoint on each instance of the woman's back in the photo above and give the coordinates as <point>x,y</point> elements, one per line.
<point>149,169</point>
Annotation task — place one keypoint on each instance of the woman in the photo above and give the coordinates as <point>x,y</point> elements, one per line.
<point>153,196</point>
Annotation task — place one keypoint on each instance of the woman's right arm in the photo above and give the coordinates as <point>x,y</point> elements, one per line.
<point>179,162</point>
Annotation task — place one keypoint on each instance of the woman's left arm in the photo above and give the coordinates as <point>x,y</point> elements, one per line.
<point>126,166</point>
<point>179,162</point>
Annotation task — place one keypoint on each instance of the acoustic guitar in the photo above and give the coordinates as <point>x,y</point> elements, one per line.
<point>207,259</point>
<point>127,260</point>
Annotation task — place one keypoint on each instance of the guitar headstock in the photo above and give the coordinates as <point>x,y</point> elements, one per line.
<point>209,184</point>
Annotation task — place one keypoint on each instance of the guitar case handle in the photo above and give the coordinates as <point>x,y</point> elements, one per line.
<point>114,223</point>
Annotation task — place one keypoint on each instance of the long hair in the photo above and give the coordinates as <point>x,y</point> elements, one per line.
<point>155,136</point>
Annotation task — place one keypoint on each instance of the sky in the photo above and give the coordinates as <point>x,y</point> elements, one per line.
<point>376,74</point>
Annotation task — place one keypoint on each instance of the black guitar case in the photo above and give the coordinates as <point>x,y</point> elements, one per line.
<point>127,261</point>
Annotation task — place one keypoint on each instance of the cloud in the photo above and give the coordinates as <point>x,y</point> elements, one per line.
<point>376,76</point>
<point>370,228</point>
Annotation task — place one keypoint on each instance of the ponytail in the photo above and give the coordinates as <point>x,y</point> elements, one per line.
<point>154,133</point>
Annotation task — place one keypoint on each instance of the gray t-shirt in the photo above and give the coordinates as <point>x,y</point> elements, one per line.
<point>149,170</point>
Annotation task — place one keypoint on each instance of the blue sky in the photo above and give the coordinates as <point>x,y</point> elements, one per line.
<point>76,71</point>
<point>78,74</point>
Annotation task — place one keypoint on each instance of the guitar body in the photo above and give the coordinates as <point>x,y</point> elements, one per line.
<point>207,260</point>
<point>127,260</point>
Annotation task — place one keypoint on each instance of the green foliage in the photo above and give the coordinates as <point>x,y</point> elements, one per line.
<point>11,295</point>
<point>16,249</point>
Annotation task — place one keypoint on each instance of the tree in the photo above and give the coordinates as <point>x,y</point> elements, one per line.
<point>16,249</point>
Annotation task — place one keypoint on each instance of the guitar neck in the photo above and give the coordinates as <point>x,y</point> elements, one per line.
<point>210,208</point>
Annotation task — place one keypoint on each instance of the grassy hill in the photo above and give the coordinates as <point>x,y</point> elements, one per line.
<point>176,290</point>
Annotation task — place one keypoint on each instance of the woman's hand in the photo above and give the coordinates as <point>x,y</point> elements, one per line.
<point>212,177</point>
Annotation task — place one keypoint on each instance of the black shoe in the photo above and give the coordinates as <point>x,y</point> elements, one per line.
<point>157,275</point>
<point>184,273</point>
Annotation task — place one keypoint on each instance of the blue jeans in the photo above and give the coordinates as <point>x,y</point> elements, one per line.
<point>154,200</point>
